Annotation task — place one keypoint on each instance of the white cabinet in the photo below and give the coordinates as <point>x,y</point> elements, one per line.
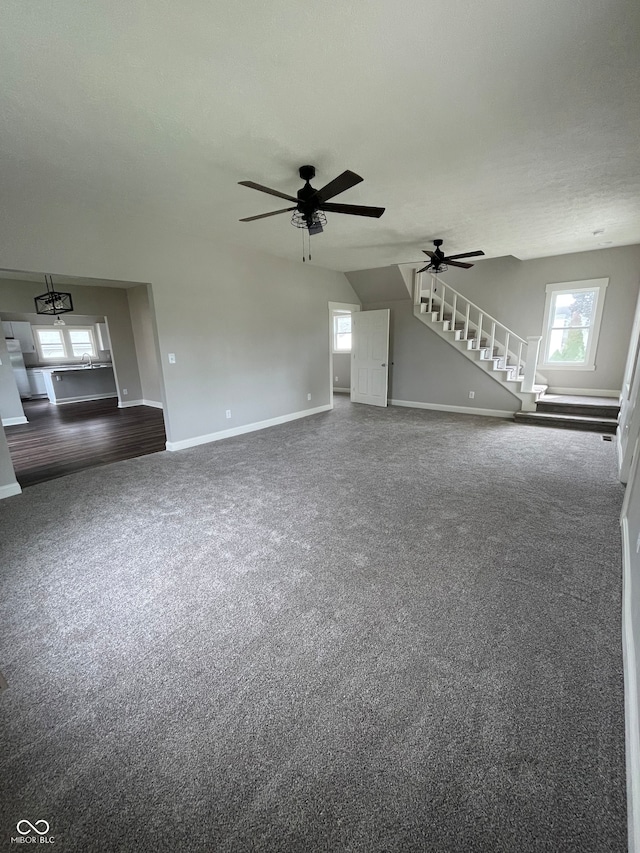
<point>36,382</point>
<point>103,336</point>
<point>22,332</point>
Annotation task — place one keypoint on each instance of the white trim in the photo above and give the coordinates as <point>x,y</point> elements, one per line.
<point>82,399</point>
<point>462,410</point>
<point>632,720</point>
<point>345,306</point>
<point>130,403</point>
<point>66,343</point>
<point>344,390</point>
<point>584,392</point>
<point>14,421</point>
<point>597,284</point>
<point>241,430</point>
<point>9,490</point>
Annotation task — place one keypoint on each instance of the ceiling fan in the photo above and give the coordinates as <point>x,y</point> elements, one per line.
<point>310,204</point>
<point>440,262</point>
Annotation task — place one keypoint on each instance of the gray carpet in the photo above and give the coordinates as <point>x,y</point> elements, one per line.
<point>370,630</point>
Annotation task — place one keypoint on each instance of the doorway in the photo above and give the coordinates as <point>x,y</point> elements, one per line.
<point>340,347</point>
<point>95,391</point>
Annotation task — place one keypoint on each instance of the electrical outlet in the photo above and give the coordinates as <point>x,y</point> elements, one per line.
<point>172,358</point>
<point>227,414</point>
<point>308,396</point>
<point>124,392</point>
<point>472,394</point>
<point>336,379</point>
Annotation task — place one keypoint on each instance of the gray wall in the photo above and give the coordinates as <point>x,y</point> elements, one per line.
<point>426,369</point>
<point>7,475</point>
<point>143,325</point>
<point>10,403</point>
<point>250,331</point>
<point>342,370</point>
<point>513,291</point>
<point>381,284</point>
<point>109,302</point>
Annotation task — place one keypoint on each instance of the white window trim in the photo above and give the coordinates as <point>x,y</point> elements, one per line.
<point>597,284</point>
<point>334,313</point>
<point>66,359</point>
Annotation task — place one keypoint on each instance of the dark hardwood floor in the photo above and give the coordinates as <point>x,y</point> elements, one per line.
<point>60,440</point>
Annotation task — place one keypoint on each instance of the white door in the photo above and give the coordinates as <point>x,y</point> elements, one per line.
<point>370,357</point>
<point>629,421</point>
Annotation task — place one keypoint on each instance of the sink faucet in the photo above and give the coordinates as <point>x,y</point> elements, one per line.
<point>83,355</point>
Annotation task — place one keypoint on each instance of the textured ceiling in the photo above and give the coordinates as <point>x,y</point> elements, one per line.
<point>508,126</point>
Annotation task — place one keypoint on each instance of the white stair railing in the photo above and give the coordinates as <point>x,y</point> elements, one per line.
<point>519,355</point>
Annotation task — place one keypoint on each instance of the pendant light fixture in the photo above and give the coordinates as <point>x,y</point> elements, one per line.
<point>53,302</point>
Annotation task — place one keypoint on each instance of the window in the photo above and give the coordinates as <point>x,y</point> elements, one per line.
<point>341,331</point>
<point>573,312</point>
<point>65,343</point>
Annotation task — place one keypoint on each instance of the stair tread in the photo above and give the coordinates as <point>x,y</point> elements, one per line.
<point>558,416</point>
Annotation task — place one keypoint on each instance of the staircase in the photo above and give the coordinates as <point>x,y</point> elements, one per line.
<point>506,357</point>
<point>590,414</point>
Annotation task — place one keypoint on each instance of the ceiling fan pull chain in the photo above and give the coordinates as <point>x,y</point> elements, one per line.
<point>303,257</point>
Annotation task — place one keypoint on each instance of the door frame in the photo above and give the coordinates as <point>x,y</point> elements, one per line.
<point>337,306</point>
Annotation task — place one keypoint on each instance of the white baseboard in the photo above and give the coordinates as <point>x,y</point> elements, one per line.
<point>462,410</point>
<point>131,403</point>
<point>82,399</point>
<point>632,720</point>
<point>584,392</point>
<point>229,433</point>
<point>14,421</point>
<point>343,390</point>
<point>9,490</point>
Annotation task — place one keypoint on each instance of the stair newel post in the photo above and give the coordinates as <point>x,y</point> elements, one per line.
<point>479,338</point>
<point>466,322</point>
<point>441,317</point>
<point>506,350</point>
<point>519,363</point>
<point>417,287</point>
<point>533,350</point>
<point>453,312</point>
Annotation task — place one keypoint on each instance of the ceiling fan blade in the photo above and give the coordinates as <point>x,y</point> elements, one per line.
<point>263,215</point>
<point>451,263</point>
<point>464,255</point>
<point>432,255</point>
<point>354,209</point>
<point>338,185</point>
<point>262,189</point>
<point>424,269</point>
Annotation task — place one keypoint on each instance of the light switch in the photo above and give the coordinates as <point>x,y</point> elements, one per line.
<point>172,358</point>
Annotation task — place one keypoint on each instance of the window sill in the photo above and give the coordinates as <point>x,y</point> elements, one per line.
<point>556,366</point>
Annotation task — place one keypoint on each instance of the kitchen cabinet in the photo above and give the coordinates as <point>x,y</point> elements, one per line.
<point>36,382</point>
<point>22,332</point>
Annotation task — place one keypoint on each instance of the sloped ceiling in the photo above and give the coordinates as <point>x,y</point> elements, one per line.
<point>507,126</point>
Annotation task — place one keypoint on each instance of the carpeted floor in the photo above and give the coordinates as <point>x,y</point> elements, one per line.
<point>370,630</point>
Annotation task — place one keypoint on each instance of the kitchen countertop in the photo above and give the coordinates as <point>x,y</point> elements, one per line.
<point>75,367</point>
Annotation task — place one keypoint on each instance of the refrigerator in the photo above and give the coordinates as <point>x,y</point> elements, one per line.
<point>19,370</point>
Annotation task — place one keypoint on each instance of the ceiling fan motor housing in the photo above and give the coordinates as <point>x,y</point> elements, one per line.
<point>307,172</point>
